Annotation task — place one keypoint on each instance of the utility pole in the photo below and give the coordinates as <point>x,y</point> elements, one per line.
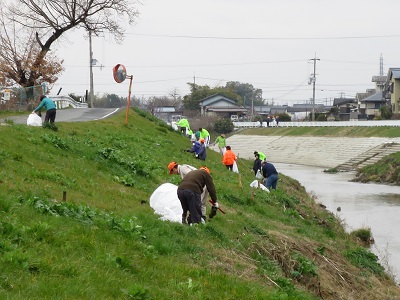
<point>91,95</point>
<point>252,107</point>
<point>313,82</point>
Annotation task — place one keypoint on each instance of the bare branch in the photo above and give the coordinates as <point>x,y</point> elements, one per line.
<point>50,19</point>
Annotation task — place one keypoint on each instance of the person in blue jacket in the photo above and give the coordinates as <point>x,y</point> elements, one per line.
<point>203,151</point>
<point>270,175</point>
<point>199,149</point>
<point>50,108</point>
<point>195,148</point>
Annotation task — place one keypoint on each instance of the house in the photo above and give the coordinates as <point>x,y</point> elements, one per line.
<point>347,108</point>
<point>300,112</point>
<point>268,110</point>
<point>392,89</point>
<point>166,113</point>
<point>370,105</point>
<point>263,110</point>
<point>219,105</point>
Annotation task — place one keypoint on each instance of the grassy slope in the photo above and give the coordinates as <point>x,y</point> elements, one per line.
<point>106,242</point>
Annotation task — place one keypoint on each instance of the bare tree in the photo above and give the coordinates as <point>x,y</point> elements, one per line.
<point>17,56</point>
<point>52,18</point>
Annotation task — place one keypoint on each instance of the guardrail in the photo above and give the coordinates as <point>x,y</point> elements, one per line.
<point>392,123</point>
<point>67,101</point>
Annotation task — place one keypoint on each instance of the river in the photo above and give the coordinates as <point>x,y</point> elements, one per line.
<point>361,205</point>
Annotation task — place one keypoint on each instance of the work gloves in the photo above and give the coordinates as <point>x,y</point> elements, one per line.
<point>214,209</point>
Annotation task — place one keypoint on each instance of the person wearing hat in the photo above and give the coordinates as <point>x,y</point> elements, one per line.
<point>196,145</point>
<point>202,154</point>
<point>221,143</point>
<point>183,170</point>
<point>190,190</point>
<point>205,135</point>
<point>50,109</point>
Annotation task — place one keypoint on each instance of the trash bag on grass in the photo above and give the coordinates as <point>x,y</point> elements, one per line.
<point>255,184</point>
<point>165,202</point>
<point>34,120</point>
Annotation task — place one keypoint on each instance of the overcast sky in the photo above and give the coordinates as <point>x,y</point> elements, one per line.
<point>266,43</point>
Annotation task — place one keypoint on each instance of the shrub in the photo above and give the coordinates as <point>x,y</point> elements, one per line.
<point>364,234</point>
<point>386,112</point>
<point>223,126</point>
<point>284,118</point>
<point>363,258</point>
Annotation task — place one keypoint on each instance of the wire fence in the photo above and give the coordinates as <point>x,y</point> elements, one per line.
<point>20,99</point>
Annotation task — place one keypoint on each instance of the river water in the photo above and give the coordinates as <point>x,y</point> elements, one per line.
<point>361,205</point>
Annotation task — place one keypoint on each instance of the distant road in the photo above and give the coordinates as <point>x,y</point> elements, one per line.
<point>74,115</point>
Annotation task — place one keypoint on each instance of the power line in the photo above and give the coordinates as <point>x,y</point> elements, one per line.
<point>202,65</point>
<point>266,38</point>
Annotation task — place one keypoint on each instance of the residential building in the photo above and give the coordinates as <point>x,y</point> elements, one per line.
<point>219,105</point>
<point>392,89</point>
<point>348,108</point>
<point>369,107</point>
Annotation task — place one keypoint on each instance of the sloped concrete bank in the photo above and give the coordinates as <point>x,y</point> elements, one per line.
<point>327,152</point>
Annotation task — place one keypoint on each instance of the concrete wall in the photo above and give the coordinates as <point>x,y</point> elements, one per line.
<point>395,123</point>
<point>326,152</point>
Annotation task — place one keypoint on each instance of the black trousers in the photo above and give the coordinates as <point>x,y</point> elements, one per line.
<point>191,202</point>
<point>50,115</point>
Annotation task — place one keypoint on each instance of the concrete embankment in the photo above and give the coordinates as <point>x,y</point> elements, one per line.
<point>326,152</point>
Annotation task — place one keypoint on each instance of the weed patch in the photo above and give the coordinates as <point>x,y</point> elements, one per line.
<point>87,216</point>
<point>365,259</point>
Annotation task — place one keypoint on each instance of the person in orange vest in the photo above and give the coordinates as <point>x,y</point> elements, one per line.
<point>229,158</point>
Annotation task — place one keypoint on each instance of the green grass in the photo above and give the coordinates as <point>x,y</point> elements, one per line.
<point>386,170</point>
<point>105,242</point>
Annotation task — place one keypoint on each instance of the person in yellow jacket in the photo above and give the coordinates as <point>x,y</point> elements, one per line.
<point>204,134</point>
<point>184,126</point>
<point>229,158</point>
<point>261,155</point>
<point>221,141</point>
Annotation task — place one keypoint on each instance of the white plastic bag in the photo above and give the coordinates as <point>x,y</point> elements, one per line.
<point>258,175</point>
<point>165,203</point>
<point>34,120</point>
<point>235,167</point>
<point>255,184</point>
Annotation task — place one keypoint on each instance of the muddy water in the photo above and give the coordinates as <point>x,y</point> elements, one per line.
<point>361,205</point>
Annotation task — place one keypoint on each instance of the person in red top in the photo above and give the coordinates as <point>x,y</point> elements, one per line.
<point>229,158</point>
